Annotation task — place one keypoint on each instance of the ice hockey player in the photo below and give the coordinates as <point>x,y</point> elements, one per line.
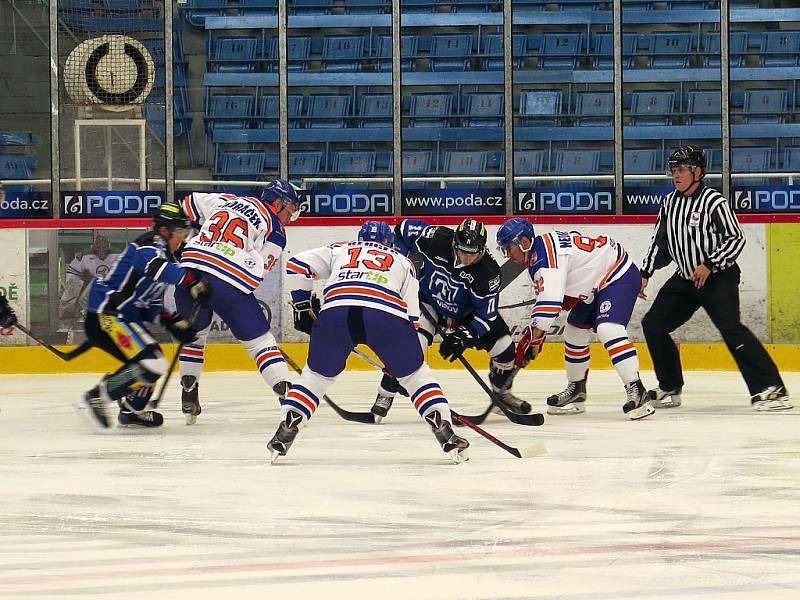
<point>8,318</point>
<point>120,304</point>
<point>596,281</point>
<point>241,237</point>
<point>370,297</point>
<point>459,287</point>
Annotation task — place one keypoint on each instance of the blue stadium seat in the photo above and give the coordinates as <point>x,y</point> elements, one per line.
<point>417,6</point>
<point>642,161</point>
<point>791,159</point>
<point>577,162</point>
<point>736,49</point>
<point>483,109</point>
<point>704,107</point>
<point>233,54</point>
<point>416,163</point>
<point>409,45</point>
<point>258,7</point>
<point>298,49</point>
<point>560,50</point>
<point>451,51</point>
<point>198,10</point>
<point>765,105</point>
<point>268,111</point>
<point>366,7</point>
<point>16,138</point>
<point>328,110</point>
<point>750,159</point>
<point>430,110</point>
<point>342,53</point>
<point>669,50</point>
<point>493,51</point>
<point>309,7</point>
<point>240,165</point>
<point>229,111</point>
<point>470,6</point>
<point>602,50</point>
<point>304,163</point>
<point>17,166</point>
<point>354,162</point>
<point>465,162</point>
<point>536,105</point>
<point>375,110</point>
<point>652,107</point>
<point>780,48</point>
<point>594,108</point>
<point>529,162</point>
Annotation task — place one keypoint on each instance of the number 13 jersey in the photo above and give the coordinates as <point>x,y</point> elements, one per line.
<point>358,274</point>
<point>240,238</point>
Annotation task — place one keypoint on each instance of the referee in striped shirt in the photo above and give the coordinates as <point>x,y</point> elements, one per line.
<point>697,229</point>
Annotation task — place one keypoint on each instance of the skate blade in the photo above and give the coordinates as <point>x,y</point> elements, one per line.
<point>669,402</point>
<point>538,449</point>
<point>190,419</point>
<point>274,455</point>
<point>88,416</point>
<point>574,408</point>
<point>459,457</point>
<point>772,407</point>
<point>378,418</point>
<point>645,410</point>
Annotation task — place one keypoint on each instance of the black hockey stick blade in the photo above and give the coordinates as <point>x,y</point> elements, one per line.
<point>509,271</point>
<point>537,449</point>
<point>517,304</point>
<point>347,415</point>
<point>478,419</point>
<point>67,356</point>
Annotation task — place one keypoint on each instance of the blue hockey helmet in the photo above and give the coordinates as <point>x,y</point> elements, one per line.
<point>376,231</point>
<point>512,230</point>
<point>286,191</point>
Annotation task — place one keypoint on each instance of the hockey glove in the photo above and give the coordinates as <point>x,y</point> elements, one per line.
<point>198,286</point>
<point>7,316</point>
<point>453,344</point>
<point>528,346</point>
<point>179,327</point>
<point>305,313</point>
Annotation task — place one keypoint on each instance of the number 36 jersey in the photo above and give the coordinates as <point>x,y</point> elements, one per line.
<point>240,238</point>
<point>358,274</point>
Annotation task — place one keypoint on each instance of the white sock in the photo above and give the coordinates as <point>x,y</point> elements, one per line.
<point>622,353</point>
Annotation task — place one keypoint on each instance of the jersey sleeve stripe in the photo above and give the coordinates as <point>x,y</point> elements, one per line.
<point>190,208</point>
<point>614,270</point>
<point>552,260</point>
<point>294,266</point>
<point>198,257</point>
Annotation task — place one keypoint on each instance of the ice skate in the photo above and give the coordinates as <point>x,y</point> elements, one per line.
<point>145,418</point>
<point>284,437</point>
<point>190,398</point>
<point>772,399</point>
<point>569,401</point>
<point>511,402</point>
<point>93,408</point>
<point>452,444</point>
<point>637,406</point>
<point>381,406</point>
<point>664,398</point>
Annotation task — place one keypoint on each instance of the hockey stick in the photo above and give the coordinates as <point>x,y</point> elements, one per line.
<point>535,450</point>
<point>153,404</point>
<point>533,419</point>
<point>517,305</point>
<point>86,345</point>
<point>347,415</point>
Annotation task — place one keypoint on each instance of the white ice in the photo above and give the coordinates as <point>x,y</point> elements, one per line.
<point>701,501</point>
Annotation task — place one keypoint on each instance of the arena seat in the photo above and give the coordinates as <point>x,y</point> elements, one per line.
<point>229,111</point>
<point>669,50</point>
<point>765,105</point>
<point>602,50</point>
<point>375,110</point>
<point>652,107</point>
<point>451,51</point>
<point>576,162</point>
<point>493,51</point>
<point>536,105</point>
<point>529,162</point>
<point>416,163</point>
<point>433,109</point>
<point>483,109</point>
<point>641,161</point>
<point>258,7</point>
<point>240,165</point>
<point>710,47</point>
<point>354,162</point>
<point>780,48</point>
<point>409,45</point>
<point>328,110</point>
<point>305,163</point>
<point>233,54</point>
<point>594,108</point>
<point>310,7</point>
<point>342,53</point>
<point>751,159</point>
<point>704,107</point>
<point>560,50</point>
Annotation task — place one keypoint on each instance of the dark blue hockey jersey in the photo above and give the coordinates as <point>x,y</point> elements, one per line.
<point>469,294</point>
<point>134,287</point>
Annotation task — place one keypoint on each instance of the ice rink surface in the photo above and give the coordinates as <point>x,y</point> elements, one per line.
<point>699,502</point>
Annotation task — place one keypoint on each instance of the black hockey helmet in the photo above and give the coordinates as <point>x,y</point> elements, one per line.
<point>470,237</point>
<point>171,216</point>
<point>688,156</point>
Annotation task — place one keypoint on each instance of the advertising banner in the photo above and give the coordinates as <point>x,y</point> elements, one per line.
<point>89,204</point>
<point>14,281</point>
<point>466,200</point>
<point>553,201</point>
<point>644,200</point>
<point>18,203</point>
<point>331,203</point>
<point>766,199</point>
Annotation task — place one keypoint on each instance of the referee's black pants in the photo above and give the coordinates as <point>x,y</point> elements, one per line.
<point>675,304</point>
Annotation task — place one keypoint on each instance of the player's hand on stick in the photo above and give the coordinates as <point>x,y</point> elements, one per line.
<point>180,328</point>
<point>529,345</point>
<point>305,313</point>
<point>453,344</point>
<point>198,286</point>
<point>7,316</point>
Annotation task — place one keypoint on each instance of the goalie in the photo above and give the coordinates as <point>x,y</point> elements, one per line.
<point>596,281</point>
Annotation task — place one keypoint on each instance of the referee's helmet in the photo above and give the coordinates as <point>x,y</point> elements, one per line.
<point>688,156</point>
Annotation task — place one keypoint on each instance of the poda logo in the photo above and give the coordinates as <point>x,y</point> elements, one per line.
<point>73,205</point>
<point>605,306</point>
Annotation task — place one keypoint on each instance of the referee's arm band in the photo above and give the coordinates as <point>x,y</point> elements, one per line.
<point>707,262</point>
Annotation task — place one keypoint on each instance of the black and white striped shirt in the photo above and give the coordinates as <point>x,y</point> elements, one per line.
<point>694,230</point>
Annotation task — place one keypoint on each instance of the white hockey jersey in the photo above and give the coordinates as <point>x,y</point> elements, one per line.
<point>240,238</point>
<point>358,274</point>
<point>569,267</point>
<point>80,272</point>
